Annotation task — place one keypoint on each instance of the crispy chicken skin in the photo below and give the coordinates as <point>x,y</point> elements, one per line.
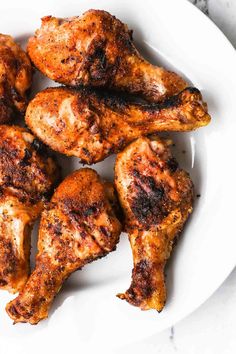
<point>26,179</point>
<point>78,227</point>
<point>15,79</point>
<point>156,197</point>
<point>96,49</point>
<point>94,124</point>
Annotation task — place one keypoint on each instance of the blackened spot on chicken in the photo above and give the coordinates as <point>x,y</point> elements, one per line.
<point>13,309</point>
<point>153,163</point>
<point>6,153</point>
<point>9,258</point>
<point>102,57</point>
<point>136,173</point>
<point>15,95</point>
<point>98,65</point>
<point>26,158</point>
<point>39,147</point>
<point>91,210</point>
<point>28,154</point>
<point>124,41</point>
<point>170,102</point>
<point>50,283</point>
<point>112,100</point>
<point>146,180</point>
<point>6,110</point>
<point>141,287</point>
<point>56,228</point>
<point>4,101</point>
<point>86,152</point>
<point>144,206</point>
<point>26,175</point>
<point>192,90</point>
<point>68,59</point>
<point>3,282</point>
<point>116,103</point>
<point>131,34</point>
<point>149,202</point>
<point>16,63</point>
<point>79,211</point>
<point>105,231</point>
<point>27,314</point>
<point>120,145</point>
<point>121,101</point>
<point>83,234</point>
<point>172,164</point>
<point>92,123</point>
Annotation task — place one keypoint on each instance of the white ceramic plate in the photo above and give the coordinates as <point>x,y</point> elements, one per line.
<point>86,315</point>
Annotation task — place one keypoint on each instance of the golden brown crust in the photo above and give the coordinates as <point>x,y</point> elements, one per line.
<point>96,49</point>
<point>26,180</point>
<point>24,165</point>
<point>78,227</point>
<point>91,125</point>
<point>156,197</point>
<point>15,79</point>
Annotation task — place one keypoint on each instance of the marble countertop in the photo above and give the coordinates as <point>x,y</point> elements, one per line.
<point>223,13</point>
<point>211,328</point>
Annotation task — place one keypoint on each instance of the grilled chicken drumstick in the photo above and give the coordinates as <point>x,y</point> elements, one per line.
<point>93,124</point>
<point>26,179</point>
<point>78,227</point>
<point>96,49</point>
<point>15,78</point>
<point>156,197</point>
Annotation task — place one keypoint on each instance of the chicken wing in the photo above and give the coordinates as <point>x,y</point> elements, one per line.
<point>26,179</point>
<point>156,197</point>
<point>96,49</point>
<point>79,227</point>
<point>93,124</point>
<point>15,79</point>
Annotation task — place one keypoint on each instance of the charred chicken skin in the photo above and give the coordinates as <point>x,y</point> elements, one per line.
<point>15,79</point>
<point>94,124</point>
<point>156,197</point>
<point>78,227</point>
<point>96,49</point>
<point>26,179</point>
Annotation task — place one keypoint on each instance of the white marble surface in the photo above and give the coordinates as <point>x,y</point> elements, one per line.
<point>210,329</point>
<point>223,13</point>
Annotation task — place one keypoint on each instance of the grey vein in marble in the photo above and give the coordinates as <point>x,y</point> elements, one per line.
<point>172,337</point>
<point>202,5</point>
<point>223,13</point>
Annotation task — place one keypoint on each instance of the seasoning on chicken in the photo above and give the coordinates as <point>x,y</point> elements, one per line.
<point>94,124</point>
<point>78,227</point>
<point>27,178</point>
<point>96,49</point>
<point>15,79</point>
<point>156,197</point>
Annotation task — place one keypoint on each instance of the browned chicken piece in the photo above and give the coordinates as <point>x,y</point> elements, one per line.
<point>15,79</point>
<point>27,178</point>
<point>78,227</point>
<point>94,124</point>
<point>157,198</point>
<point>96,49</point>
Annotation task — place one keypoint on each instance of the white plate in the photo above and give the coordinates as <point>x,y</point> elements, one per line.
<point>86,315</point>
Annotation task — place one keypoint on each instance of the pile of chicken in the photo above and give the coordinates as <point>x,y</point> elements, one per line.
<point>114,101</point>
